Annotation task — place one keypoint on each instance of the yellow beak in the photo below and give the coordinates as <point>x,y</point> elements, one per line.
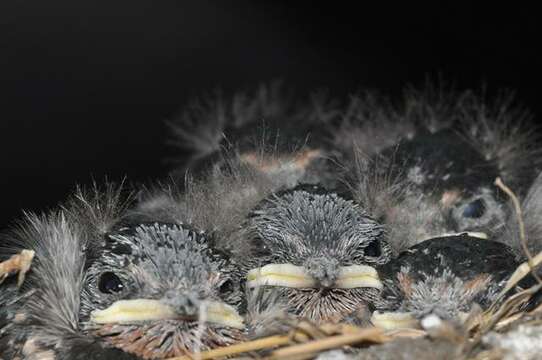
<point>138,310</point>
<point>288,275</point>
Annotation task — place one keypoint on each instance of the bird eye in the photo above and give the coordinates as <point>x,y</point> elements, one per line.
<point>475,209</point>
<point>373,249</point>
<point>110,283</point>
<point>226,287</point>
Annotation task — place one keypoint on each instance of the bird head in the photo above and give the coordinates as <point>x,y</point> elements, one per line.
<point>444,276</point>
<point>160,290</point>
<point>319,248</point>
<point>451,184</point>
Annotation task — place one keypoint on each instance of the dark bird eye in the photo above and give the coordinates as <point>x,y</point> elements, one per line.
<point>110,283</point>
<point>226,287</point>
<point>373,249</point>
<point>475,209</point>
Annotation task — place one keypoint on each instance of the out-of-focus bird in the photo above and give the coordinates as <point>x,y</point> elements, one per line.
<point>103,288</point>
<point>167,294</point>
<point>435,150</point>
<point>267,129</point>
<point>317,247</point>
<point>423,167</point>
<point>439,152</point>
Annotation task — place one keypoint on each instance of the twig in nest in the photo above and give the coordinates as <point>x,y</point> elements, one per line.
<point>17,263</point>
<point>372,335</point>
<point>523,270</point>
<point>519,215</point>
<point>511,304</point>
<point>493,317</point>
<point>244,347</point>
<point>342,334</point>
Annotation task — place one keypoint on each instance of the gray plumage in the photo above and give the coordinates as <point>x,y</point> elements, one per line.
<point>320,232</point>
<point>217,201</point>
<point>86,260</point>
<point>174,265</point>
<point>263,126</point>
<point>267,312</point>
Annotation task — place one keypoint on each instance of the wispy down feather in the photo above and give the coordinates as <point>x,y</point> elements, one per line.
<point>62,240</point>
<point>243,120</point>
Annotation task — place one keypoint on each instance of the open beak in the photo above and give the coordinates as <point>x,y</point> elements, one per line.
<point>139,310</point>
<point>288,275</point>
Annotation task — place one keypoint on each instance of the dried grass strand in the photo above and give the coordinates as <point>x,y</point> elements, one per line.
<point>519,215</point>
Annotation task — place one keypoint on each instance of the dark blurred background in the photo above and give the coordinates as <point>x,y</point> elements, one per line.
<point>86,85</point>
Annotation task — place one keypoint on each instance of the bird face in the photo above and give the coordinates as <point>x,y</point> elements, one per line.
<point>159,290</point>
<point>320,249</point>
<point>445,277</point>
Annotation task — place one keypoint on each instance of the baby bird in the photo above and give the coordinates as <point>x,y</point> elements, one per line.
<point>445,277</point>
<point>163,291</point>
<point>438,152</point>
<point>104,288</point>
<point>267,129</point>
<point>320,248</point>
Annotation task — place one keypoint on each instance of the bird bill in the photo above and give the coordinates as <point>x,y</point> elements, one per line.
<point>138,310</point>
<point>356,276</point>
<point>394,320</point>
<point>288,275</point>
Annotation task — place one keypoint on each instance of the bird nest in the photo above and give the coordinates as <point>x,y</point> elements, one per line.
<point>483,335</point>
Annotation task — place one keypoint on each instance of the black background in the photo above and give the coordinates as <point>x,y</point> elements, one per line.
<point>86,85</point>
